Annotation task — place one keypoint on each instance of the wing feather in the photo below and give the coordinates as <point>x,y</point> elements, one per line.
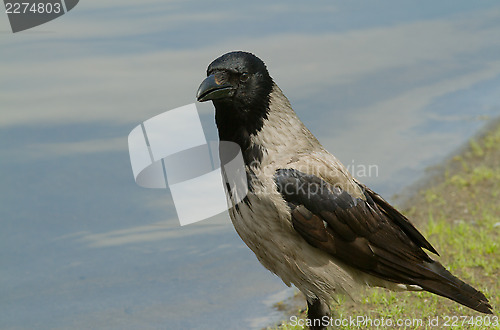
<point>367,233</point>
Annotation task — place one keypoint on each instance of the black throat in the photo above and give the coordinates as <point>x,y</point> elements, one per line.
<point>237,123</point>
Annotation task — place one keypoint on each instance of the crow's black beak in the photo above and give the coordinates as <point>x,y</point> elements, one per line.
<point>212,89</point>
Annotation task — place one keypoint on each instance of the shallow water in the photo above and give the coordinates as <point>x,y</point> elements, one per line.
<point>385,86</point>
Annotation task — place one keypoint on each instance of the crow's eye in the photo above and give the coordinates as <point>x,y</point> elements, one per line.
<point>244,77</point>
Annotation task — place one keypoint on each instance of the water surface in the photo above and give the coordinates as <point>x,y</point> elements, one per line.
<point>392,84</point>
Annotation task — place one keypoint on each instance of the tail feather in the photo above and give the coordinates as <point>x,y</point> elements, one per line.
<point>451,287</point>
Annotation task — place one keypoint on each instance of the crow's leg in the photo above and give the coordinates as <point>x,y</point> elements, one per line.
<point>318,313</point>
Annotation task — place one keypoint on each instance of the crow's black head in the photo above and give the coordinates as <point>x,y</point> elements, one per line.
<point>237,78</point>
<point>239,86</point>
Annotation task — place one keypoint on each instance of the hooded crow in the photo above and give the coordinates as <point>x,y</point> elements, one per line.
<point>305,217</point>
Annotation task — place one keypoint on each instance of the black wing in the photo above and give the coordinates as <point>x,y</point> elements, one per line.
<point>368,234</point>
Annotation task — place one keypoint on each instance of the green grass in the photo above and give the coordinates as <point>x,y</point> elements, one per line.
<point>460,215</point>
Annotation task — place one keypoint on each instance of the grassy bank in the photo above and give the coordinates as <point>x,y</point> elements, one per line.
<point>459,213</point>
